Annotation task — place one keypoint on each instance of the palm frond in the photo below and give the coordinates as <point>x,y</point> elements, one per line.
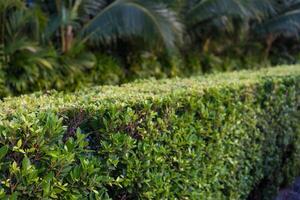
<point>92,7</point>
<point>5,5</point>
<point>207,10</point>
<point>286,6</point>
<point>260,9</point>
<point>287,24</point>
<point>134,18</point>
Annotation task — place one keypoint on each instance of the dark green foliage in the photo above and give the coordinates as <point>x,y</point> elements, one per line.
<point>52,44</point>
<point>66,45</point>
<point>221,137</point>
<point>107,70</point>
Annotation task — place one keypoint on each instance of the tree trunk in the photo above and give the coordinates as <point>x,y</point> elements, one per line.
<point>67,38</point>
<point>270,39</point>
<point>206,45</point>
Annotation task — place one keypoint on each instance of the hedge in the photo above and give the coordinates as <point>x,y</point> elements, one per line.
<point>224,136</point>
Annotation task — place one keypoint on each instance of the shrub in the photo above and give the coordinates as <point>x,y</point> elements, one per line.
<point>148,65</point>
<point>47,69</point>
<point>224,136</point>
<point>107,71</point>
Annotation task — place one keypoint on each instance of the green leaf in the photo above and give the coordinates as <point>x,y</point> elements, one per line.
<point>19,143</point>
<point>3,151</point>
<point>14,196</point>
<point>46,188</point>
<point>26,164</point>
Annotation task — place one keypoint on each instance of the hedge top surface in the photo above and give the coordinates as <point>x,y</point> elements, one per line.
<point>139,91</point>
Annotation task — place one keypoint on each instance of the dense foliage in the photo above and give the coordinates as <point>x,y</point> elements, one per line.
<point>224,136</point>
<point>62,44</point>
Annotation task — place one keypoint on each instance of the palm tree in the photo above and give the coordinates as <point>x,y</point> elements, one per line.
<point>4,7</point>
<point>44,41</point>
<point>201,14</point>
<point>22,59</point>
<point>105,21</point>
<point>285,21</point>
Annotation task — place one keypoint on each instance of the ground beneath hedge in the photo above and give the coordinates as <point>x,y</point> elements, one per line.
<point>291,193</point>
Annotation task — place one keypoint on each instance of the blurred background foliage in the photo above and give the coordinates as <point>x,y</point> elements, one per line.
<point>68,44</point>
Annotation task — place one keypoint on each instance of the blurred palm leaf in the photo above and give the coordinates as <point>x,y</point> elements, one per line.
<point>25,62</point>
<point>202,12</point>
<point>259,9</point>
<point>287,24</point>
<point>286,20</point>
<point>207,10</point>
<point>130,19</point>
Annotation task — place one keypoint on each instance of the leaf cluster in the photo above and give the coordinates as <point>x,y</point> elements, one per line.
<point>215,137</point>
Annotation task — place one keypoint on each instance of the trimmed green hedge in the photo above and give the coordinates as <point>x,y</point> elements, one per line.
<point>226,136</point>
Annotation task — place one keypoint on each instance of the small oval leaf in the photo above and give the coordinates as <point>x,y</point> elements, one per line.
<point>3,151</point>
